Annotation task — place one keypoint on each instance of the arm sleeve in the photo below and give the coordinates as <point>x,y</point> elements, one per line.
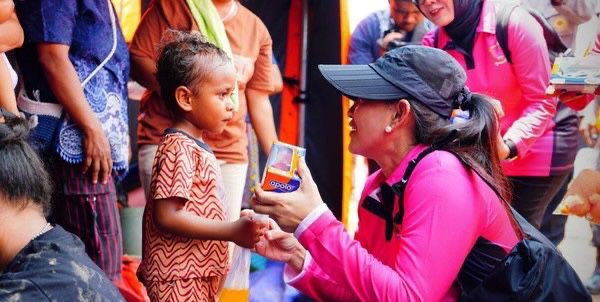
<point>47,21</point>
<point>21,290</point>
<point>361,44</point>
<point>173,174</point>
<point>428,38</point>
<point>531,66</point>
<point>262,78</point>
<point>429,257</point>
<point>147,35</point>
<point>315,283</point>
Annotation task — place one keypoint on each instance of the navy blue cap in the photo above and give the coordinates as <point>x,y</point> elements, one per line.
<point>425,74</point>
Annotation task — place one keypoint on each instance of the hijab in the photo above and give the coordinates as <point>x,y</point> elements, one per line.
<point>463,28</point>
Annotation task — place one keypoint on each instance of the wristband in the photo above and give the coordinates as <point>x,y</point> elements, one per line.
<point>512,147</point>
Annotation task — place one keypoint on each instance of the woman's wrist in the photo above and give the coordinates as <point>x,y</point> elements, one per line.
<point>296,262</point>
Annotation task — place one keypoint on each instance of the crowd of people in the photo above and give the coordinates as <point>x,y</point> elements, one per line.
<point>449,88</point>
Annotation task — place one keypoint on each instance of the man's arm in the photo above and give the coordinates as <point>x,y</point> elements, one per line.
<point>66,87</point>
<point>261,115</point>
<point>143,71</point>
<point>7,95</point>
<point>12,34</point>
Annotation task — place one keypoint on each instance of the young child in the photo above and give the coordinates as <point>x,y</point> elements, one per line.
<point>185,224</point>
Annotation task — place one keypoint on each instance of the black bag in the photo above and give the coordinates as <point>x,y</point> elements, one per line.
<point>534,270</point>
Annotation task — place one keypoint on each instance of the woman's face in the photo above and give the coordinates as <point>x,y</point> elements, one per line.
<point>440,12</point>
<point>368,120</point>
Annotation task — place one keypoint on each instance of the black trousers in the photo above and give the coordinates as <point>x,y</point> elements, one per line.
<point>532,194</point>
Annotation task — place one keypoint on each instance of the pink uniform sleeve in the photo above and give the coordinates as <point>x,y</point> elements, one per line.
<point>428,38</point>
<point>531,66</point>
<point>431,251</point>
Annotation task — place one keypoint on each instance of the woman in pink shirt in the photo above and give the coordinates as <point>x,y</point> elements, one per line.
<point>409,249</point>
<point>539,136</point>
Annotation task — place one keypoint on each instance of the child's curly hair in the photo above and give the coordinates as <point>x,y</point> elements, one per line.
<point>185,59</point>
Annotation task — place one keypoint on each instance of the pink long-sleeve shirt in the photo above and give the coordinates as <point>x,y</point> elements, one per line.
<point>447,208</point>
<point>520,87</point>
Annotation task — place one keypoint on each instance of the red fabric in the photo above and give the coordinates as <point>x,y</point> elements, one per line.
<point>130,287</point>
<point>288,125</point>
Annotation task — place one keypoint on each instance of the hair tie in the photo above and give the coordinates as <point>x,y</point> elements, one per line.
<point>465,99</point>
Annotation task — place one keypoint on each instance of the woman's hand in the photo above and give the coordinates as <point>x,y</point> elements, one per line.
<point>289,209</point>
<point>276,244</point>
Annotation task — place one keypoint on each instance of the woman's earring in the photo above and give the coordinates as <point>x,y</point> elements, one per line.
<point>387,129</point>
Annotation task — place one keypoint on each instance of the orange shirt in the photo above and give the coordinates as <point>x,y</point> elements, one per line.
<point>248,37</point>
<point>185,168</point>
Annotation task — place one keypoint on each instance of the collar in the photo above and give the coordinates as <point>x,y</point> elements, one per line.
<point>375,179</point>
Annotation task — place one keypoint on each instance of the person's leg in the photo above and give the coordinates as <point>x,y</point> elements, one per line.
<point>593,284</point>
<point>90,212</point>
<point>531,195</point>
<point>146,155</point>
<point>553,226</point>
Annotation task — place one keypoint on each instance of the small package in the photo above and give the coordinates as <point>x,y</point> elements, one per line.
<point>576,74</point>
<point>280,172</point>
<point>583,197</point>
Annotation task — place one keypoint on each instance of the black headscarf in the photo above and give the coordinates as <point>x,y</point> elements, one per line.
<point>463,28</point>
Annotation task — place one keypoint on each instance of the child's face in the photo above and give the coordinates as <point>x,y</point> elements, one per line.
<point>212,107</point>
<point>6,9</point>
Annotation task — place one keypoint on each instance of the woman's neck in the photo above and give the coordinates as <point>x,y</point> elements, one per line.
<point>17,228</point>
<point>393,157</point>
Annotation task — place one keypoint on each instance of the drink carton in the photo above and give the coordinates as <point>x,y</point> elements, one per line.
<point>280,171</point>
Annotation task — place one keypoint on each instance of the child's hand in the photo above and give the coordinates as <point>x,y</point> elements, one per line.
<point>247,231</point>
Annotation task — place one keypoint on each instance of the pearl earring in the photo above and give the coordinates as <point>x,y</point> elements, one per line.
<point>387,129</point>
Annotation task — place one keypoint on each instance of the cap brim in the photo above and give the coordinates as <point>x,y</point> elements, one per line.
<point>360,82</point>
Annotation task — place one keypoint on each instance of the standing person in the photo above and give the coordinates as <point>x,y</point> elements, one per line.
<point>75,56</point>
<point>403,111</point>
<point>252,58</point>
<point>12,37</point>
<point>185,221</point>
<point>38,261</point>
<point>250,44</point>
<point>401,22</point>
<point>537,153</point>
<point>564,16</point>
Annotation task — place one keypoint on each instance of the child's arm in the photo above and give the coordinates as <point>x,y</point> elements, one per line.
<point>170,216</point>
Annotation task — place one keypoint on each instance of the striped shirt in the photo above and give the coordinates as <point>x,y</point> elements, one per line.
<point>184,167</point>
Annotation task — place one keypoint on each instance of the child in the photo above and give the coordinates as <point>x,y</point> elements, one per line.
<point>186,228</point>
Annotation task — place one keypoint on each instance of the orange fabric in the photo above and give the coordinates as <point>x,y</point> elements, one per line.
<point>347,166</point>
<point>130,287</point>
<point>185,170</point>
<point>248,37</point>
<point>288,125</point>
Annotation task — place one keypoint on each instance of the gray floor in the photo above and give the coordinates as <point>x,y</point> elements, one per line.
<point>577,248</point>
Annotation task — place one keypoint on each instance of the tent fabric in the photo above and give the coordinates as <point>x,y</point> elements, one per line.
<point>347,167</point>
<point>289,115</point>
<point>324,121</point>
